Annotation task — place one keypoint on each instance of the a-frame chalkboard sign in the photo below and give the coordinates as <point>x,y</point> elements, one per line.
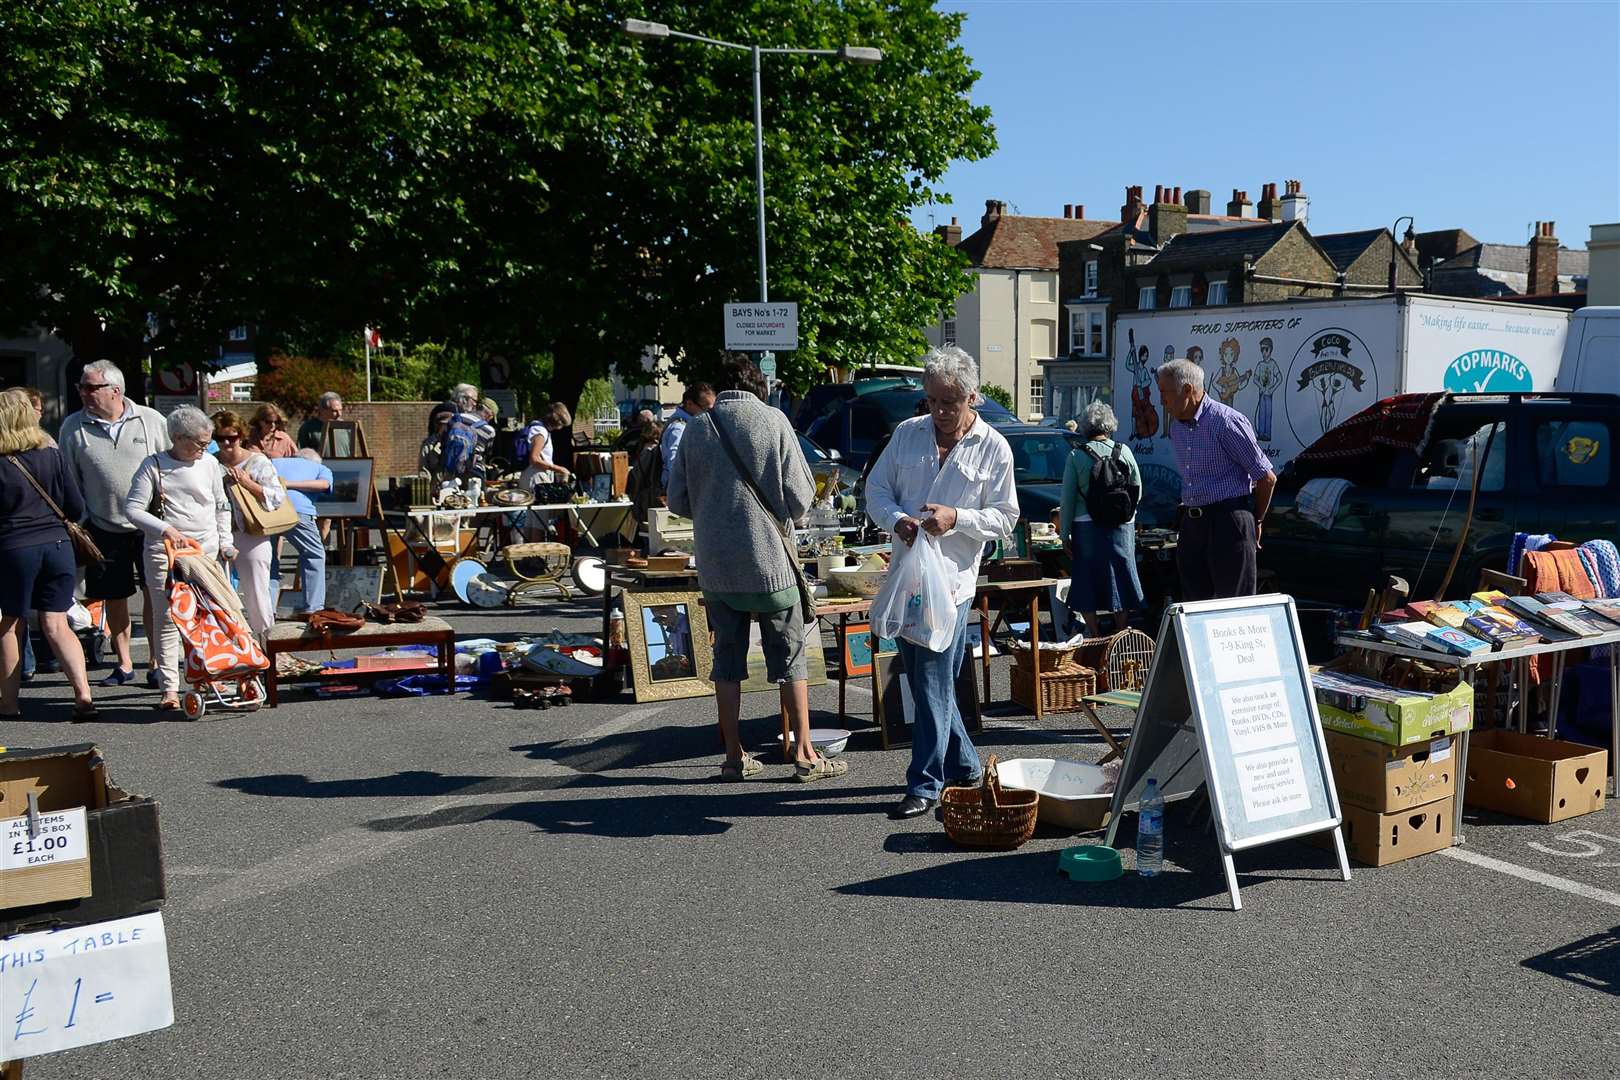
<point>1229,701</point>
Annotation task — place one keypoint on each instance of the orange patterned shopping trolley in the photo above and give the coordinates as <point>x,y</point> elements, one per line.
<point>222,659</point>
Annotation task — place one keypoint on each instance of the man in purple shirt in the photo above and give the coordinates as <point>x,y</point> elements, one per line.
<point>1226,486</point>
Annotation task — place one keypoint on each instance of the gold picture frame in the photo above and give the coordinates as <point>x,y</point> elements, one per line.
<point>671,653</point>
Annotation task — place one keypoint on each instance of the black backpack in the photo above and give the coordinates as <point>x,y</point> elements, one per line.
<point>1110,498</point>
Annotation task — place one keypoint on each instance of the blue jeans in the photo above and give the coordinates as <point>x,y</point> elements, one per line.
<point>940,747</point>
<point>305,538</point>
<point>1262,419</point>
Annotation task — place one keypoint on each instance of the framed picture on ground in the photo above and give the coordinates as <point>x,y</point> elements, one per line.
<point>857,650</point>
<point>671,655</point>
<point>815,658</point>
<point>350,496</point>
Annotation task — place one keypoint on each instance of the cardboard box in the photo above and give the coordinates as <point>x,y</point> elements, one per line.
<point>125,863</point>
<point>1376,776</point>
<point>1405,720</point>
<point>1537,779</point>
<point>1380,839</point>
<point>57,779</point>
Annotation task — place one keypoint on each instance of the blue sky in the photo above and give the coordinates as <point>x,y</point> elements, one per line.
<point>1484,116</point>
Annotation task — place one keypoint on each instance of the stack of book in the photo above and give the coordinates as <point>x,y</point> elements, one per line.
<point>1551,623</point>
<point>1501,628</point>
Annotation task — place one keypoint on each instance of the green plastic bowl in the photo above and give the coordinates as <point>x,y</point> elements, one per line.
<point>1090,862</point>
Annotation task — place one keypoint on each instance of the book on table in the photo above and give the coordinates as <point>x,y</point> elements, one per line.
<point>1605,609</point>
<point>1456,642</point>
<point>1547,619</point>
<point>1501,628</point>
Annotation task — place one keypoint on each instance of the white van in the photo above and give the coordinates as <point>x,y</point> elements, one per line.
<point>1591,352</point>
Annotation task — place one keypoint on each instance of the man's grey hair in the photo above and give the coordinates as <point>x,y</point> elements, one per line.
<point>1183,372</point>
<point>310,455</point>
<point>464,392</point>
<point>950,364</point>
<point>106,371</point>
<point>1100,420</point>
<point>328,398</point>
<point>190,422</point>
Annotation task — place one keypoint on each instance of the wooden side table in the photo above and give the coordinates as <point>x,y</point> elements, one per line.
<point>296,637</point>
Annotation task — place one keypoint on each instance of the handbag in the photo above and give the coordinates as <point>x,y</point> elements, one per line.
<point>783,530</point>
<point>329,621</point>
<point>256,520</point>
<point>85,551</point>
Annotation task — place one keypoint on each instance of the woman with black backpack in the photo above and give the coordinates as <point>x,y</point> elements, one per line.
<point>1097,520</point>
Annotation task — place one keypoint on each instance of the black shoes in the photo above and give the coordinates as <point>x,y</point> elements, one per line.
<point>911,806</point>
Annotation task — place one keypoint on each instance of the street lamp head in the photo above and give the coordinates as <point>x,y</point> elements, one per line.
<point>860,54</point>
<point>647,31</point>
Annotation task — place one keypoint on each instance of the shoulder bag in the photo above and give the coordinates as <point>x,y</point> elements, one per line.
<point>783,529</point>
<point>85,551</point>
<point>256,520</point>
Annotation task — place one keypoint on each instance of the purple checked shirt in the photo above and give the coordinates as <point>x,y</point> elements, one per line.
<point>1216,455</point>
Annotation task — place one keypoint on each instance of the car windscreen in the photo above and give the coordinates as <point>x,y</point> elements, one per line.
<point>1039,458</point>
<point>812,453</point>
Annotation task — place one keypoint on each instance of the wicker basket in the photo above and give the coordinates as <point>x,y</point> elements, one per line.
<point>1061,688</point>
<point>989,816</point>
<point>1051,659</point>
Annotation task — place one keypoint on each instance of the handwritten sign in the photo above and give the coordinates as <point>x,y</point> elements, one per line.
<point>1241,647</point>
<point>59,838</point>
<point>91,984</point>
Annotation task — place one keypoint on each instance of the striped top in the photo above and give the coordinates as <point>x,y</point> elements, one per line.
<point>1216,455</point>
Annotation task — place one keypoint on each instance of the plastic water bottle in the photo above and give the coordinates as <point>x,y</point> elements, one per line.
<point>1150,831</point>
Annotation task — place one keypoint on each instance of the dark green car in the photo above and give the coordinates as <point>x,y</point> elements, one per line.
<point>1548,470</point>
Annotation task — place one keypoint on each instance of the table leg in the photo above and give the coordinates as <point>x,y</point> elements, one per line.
<point>271,697</point>
<point>1556,693</point>
<point>1462,770</point>
<point>1114,750</point>
<point>447,661</point>
<point>1035,648</point>
<point>984,645</point>
<point>843,651</point>
<point>1614,721</point>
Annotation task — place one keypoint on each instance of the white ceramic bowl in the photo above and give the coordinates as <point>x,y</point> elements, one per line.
<point>830,741</point>
<point>853,581</point>
<point>1074,795</point>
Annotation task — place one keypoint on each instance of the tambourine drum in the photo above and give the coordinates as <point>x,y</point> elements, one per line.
<point>590,574</point>
<point>462,575</point>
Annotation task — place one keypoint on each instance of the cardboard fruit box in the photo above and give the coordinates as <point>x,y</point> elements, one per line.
<point>1376,776</point>
<point>1534,778</point>
<point>122,872</point>
<point>1380,839</point>
<point>1405,720</point>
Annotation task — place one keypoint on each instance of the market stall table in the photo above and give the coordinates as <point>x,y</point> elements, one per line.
<point>297,637</point>
<point>1012,591</point>
<point>589,519</point>
<point>1520,656</point>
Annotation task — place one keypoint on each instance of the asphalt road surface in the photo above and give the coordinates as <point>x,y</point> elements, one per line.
<point>368,889</point>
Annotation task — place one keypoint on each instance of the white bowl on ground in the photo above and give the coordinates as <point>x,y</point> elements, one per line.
<point>1074,794</point>
<point>830,741</point>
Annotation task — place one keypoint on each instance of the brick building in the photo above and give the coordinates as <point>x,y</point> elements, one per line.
<point>1363,258</point>
<point>1542,267</point>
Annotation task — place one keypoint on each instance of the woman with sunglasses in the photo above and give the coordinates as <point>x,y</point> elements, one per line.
<point>252,472</point>
<point>268,434</point>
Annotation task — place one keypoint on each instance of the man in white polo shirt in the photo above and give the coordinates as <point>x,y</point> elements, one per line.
<point>949,474</point>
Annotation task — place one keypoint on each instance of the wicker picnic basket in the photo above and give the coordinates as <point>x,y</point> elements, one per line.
<point>989,816</point>
<point>1061,688</point>
<point>1051,657</point>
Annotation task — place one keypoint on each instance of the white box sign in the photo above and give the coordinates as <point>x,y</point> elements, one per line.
<point>757,327</point>
<point>91,984</point>
<point>60,838</point>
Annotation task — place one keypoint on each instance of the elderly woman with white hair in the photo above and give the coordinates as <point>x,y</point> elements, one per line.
<point>948,474</point>
<point>177,495</point>
<point>1102,485</point>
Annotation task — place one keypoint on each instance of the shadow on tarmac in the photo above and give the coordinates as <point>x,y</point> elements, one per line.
<point>1592,962</point>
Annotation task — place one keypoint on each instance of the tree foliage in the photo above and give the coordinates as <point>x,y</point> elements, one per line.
<point>997,394</point>
<point>510,177</point>
<point>296,383</point>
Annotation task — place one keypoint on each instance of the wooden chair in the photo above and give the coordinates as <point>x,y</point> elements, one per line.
<point>1507,583</point>
<point>554,563</point>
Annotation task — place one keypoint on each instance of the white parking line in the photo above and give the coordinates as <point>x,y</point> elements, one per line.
<point>1524,873</point>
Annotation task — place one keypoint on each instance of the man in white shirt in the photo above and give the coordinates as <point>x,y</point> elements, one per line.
<point>948,474</point>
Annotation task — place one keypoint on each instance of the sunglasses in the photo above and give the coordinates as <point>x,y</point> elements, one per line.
<point>224,439</point>
<point>90,388</point>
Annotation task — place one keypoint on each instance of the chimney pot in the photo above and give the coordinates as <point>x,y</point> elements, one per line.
<point>1542,278</point>
<point>1158,193</point>
<point>1079,211</point>
<point>1068,210</point>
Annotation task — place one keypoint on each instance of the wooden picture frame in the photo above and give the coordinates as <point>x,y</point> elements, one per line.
<point>653,623</point>
<point>338,439</point>
<point>350,496</point>
<point>892,706</point>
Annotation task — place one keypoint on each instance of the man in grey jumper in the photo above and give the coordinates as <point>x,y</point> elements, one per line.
<point>103,444</point>
<point>742,564</point>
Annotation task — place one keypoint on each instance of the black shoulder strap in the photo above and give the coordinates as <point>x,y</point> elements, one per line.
<point>1119,449</point>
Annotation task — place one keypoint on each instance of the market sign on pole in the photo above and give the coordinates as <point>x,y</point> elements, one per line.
<point>758,327</point>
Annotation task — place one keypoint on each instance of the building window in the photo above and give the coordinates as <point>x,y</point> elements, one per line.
<point>1147,297</point>
<point>1099,333</point>
<point>1077,331</point>
<point>1040,288</point>
<point>1091,277</point>
<point>1181,296</point>
<point>1042,339</point>
<point>241,391</point>
<point>1037,397</point>
<point>238,333</point>
<point>1217,292</point>
<point>947,332</point>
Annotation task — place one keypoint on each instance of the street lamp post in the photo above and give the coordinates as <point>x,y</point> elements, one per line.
<point>855,54</point>
<point>1394,237</point>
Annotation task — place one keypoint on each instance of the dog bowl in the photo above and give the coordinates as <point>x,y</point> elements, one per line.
<point>1090,862</point>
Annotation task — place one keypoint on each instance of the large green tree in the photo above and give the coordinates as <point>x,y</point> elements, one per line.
<point>506,176</point>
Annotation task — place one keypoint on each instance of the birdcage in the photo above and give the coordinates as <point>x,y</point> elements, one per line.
<point>1125,661</point>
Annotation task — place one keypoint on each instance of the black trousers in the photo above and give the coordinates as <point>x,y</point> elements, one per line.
<point>1215,555</point>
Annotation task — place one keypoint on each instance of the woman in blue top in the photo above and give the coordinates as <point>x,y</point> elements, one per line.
<point>36,557</point>
<point>1103,556</point>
